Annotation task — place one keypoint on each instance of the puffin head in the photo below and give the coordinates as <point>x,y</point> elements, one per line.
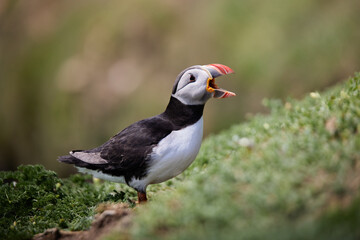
<point>195,85</point>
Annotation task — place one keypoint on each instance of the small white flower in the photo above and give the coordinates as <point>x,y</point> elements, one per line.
<point>344,94</point>
<point>246,142</point>
<point>315,95</point>
<point>266,126</point>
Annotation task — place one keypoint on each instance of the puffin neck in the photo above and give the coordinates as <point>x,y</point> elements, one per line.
<point>182,115</point>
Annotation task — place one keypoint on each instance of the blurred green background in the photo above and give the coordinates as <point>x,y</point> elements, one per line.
<point>74,73</point>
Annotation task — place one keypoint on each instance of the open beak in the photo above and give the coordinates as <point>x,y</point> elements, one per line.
<point>217,70</point>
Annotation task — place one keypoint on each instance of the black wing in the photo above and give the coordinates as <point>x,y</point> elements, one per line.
<point>127,153</point>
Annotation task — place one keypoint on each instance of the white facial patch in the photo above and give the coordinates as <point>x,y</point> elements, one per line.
<point>193,92</point>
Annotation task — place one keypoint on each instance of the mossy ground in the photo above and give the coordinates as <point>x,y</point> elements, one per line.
<point>33,199</point>
<point>294,174</point>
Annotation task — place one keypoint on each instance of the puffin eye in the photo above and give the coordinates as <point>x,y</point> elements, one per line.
<point>192,78</point>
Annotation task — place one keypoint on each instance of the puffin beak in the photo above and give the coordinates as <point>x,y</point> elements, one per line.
<point>214,71</point>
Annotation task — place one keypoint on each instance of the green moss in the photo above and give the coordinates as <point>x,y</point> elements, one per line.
<point>33,199</point>
<point>290,175</point>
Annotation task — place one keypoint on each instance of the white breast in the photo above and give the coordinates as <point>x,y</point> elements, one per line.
<point>173,154</point>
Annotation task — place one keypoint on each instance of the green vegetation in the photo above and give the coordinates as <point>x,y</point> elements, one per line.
<point>33,199</point>
<point>293,174</point>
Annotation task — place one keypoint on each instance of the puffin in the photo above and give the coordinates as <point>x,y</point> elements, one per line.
<point>158,148</point>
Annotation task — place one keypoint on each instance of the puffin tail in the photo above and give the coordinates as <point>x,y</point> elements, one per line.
<point>68,159</point>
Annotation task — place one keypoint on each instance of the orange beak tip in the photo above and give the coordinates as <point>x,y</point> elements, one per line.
<point>228,94</point>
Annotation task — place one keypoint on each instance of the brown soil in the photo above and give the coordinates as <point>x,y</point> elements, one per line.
<point>114,217</point>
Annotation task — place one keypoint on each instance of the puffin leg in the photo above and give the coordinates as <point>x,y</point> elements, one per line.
<point>142,197</point>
